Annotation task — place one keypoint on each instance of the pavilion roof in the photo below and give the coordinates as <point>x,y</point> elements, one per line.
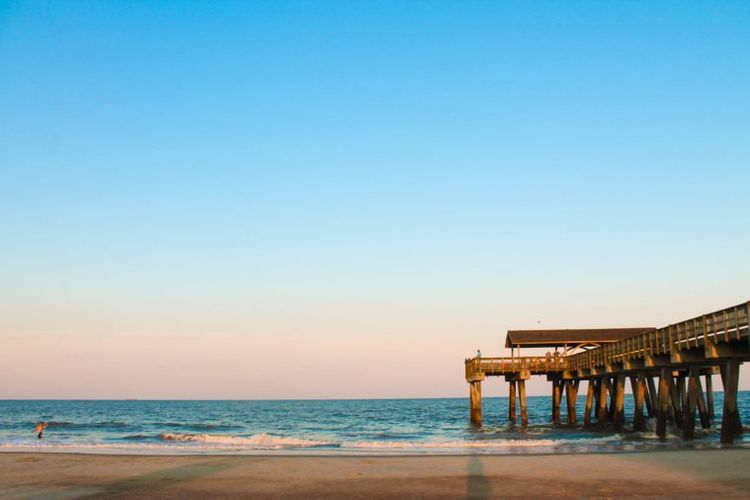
<point>560,338</point>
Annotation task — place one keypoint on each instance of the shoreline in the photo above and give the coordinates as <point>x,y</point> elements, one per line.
<point>289,453</point>
<point>710,473</point>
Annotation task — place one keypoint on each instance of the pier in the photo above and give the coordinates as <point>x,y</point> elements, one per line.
<point>664,367</point>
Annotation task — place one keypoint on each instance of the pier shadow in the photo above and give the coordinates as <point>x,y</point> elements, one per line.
<point>477,485</point>
<point>134,486</point>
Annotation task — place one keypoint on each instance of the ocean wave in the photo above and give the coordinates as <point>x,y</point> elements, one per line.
<point>137,437</point>
<point>87,425</point>
<point>198,426</point>
<point>257,441</point>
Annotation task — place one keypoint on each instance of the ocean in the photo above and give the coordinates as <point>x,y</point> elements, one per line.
<point>346,427</point>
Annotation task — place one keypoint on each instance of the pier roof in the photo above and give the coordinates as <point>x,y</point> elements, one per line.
<point>560,338</point>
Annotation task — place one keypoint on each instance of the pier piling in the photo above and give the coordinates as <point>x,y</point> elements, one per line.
<point>589,401</point>
<point>475,397</point>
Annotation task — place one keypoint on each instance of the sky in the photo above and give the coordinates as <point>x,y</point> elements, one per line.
<point>346,199</point>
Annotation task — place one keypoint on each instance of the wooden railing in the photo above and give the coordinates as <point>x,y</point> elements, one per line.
<point>707,331</point>
<point>479,367</point>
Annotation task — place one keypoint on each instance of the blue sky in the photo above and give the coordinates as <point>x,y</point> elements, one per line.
<point>378,178</point>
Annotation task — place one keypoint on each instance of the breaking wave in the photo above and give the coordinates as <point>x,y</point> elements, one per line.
<point>257,441</point>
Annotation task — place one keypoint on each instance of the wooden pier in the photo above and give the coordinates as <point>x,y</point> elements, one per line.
<point>664,367</point>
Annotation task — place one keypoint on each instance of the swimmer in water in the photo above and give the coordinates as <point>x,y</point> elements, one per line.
<point>40,429</point>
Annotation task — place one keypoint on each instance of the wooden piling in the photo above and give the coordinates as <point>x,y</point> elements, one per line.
<point>690,404</point>
<point>665,381</point>
<point>522,398</point>
<point>589,400</point>
<point>512,401</point>
<point>638,385</point>
<point>653,395</point>
<point>710,395</point>
<point>571,394</point>
<point>602,414</point>
<point>676,403</point>
<point>475,402</point>
<point>556,401</point>
<point>647,399</point>
<point>619,405</point>
<point>611,386</point>
<point>682,392</point>
<point>702,406</point>
<point>597,394</point>
<point>730,422</point>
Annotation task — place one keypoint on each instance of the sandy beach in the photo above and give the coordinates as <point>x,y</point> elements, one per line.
<point>693,473</point>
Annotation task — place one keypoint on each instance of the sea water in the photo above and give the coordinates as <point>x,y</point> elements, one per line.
<point>383,426</point>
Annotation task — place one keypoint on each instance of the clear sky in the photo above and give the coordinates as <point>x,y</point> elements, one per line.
<point>346,199</point>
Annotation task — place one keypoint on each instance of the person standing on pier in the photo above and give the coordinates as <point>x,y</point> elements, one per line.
<point>479,354</point>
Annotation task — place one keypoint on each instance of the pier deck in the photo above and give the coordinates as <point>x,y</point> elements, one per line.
<point>676,356</point>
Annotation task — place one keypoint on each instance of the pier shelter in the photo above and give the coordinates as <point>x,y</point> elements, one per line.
<point>664,366</point>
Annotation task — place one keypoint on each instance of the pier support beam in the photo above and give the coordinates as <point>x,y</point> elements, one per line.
<point>710,395</point>
<point>556,385</point>
<point>682,391</point>
<point>590,391</point>
<point>702,407</point>
<point>512,401</point>
<point>690,404</point>
<point>638,385</point>
<point>475,402</point>
<point>674,393</point>
<point>602,413</point>
<point>522,398</point>
<point>730,423</point>
<point>648,399</point>
<point>665,383</point>
<point>653,395</point>
<point>611,385</point>
<point>571,393</point>
<point>619,403</point>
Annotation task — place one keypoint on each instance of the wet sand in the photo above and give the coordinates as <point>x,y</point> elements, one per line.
<point>689,473</point>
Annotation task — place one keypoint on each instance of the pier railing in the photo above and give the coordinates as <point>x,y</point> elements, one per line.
<point>477,368</point>
<point>703,332</point>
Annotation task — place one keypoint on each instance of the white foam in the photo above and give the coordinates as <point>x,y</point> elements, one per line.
<point>257,441</point>
<point>483,444</point>
<point>176,443</point>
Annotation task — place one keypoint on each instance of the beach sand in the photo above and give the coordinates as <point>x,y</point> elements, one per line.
<point>688,473</point>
